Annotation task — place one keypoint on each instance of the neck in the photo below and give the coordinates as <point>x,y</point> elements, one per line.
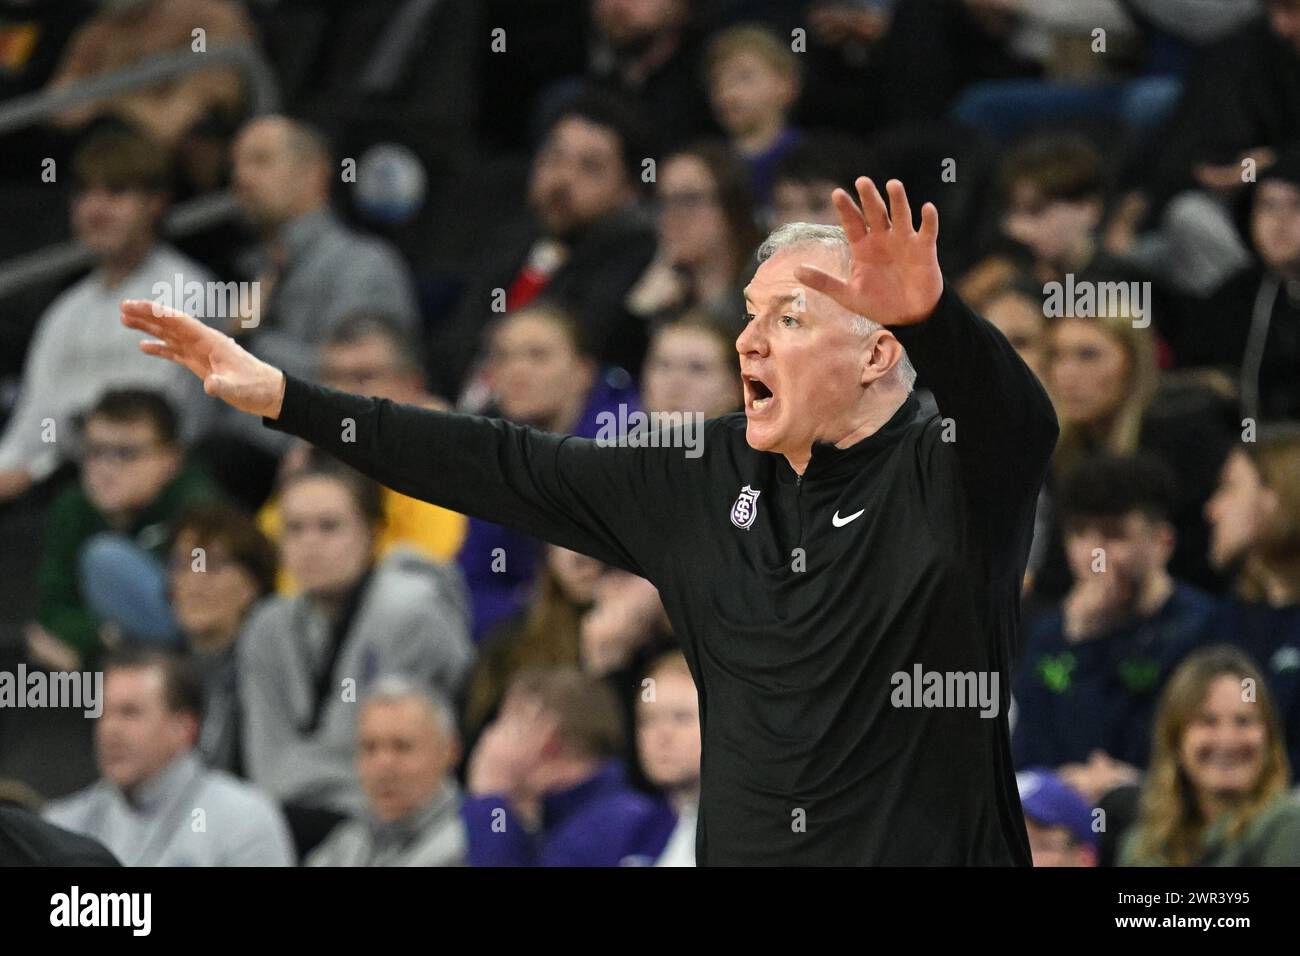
<point>872,421</point>
<point>216,637</point>
<point>1215,804</point>
<point>1155,592</point>
<point>565,772</point>
<point>762,137</point>
<point>1077,256</point>
<point>117,267</point>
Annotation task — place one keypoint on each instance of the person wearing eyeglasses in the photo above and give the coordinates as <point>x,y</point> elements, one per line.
<point>101,572</point>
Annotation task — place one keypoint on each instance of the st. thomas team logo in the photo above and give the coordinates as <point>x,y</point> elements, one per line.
<point>745,510</point>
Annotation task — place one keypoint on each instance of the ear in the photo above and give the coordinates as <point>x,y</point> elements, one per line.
<point>881,353</point>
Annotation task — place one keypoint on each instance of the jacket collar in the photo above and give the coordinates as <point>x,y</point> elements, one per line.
<point>828,461</point>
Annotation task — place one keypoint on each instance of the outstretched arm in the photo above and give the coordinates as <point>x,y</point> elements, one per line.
<point>601,501</point>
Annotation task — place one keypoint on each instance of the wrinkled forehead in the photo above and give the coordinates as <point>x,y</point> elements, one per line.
<point>774,284</point>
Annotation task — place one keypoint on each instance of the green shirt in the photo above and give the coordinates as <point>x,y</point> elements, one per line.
<point>1272,838</point>
<point>72,520</point>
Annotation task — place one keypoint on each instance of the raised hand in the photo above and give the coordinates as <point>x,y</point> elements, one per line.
<point>894,278</point>
<point>227,370</point>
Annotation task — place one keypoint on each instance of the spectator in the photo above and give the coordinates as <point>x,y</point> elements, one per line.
<point>1059,823</point>
<point>1216,793</point>
<point>583,244</point>
<point>80,349</point>
<point>406,750</point>
<point>1255,533</point>
<point>1249,324</point>
<point>691,367</point>
<point>650,52</point>
<point>668,743</point>
<point>707,238</point>
<point>1012,301</point>
<point>1086,688</point>
<point>124,33</point>
<point>546,784</point>
<point>220,566</point>
<point>808,173</point>
<point>754,83</point>
<point>155,791</point>
<point>539,372</point>
<point>304,661</point>
<point>370,354</point>
<point>101,570</point>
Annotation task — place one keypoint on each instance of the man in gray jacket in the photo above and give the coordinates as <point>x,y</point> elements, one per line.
<point>407,749</point>
<point>157,805</point>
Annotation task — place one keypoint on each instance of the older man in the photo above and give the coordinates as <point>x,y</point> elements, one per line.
<point>406,749</point>
<point>844,573</point>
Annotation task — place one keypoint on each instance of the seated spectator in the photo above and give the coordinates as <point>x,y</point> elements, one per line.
<point>406,752</point>
<point>540,372</point>
<point>754,83</point>
<point>808,173</point>
<point>310,271</point>
<point>583,244</point>
<point>304,661</point>
<point>1087,685</point>
<point>668,744</point>
<point>1059,823</point>
<point>1255,533</point>
<point>1216,792</point>
<point>370,354</point>
<point>80,348</point>
<point>691,367</point>
<point>124,33</point>
<point>547,786</point>
<point>1013,301</point>
<point>102,567</point>
<point>1109,398</point>
<point>707,238</point>
<point>157,805</point>
<point>1249,324</point>
<point>220,566</point>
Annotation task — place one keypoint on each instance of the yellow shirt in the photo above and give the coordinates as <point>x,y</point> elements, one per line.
<point>408,522</point>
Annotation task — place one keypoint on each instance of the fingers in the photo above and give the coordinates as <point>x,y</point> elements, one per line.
<point>820,281</point>
<point>855,227</point>
<point>929,223</point>
<point>900,210</point>
<point>873,207</point>
<point>160,349</point>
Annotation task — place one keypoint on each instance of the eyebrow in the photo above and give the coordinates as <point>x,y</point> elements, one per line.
<point>776,299</point>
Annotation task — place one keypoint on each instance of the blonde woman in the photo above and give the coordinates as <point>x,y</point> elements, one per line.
<point>1216,789</point>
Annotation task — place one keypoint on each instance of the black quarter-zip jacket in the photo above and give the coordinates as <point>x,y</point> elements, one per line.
<point>814,611</point>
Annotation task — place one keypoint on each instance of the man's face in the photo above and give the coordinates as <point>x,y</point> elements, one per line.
<point>402,756</point>
<point>272,183</point>
<point>208,598</point>
<point>137,736</point>
<point>1275,226</point>
<point>126,464</point>
<point>1223,749</point>
<point>748,94</point>
<point>795,201</point>
<point>369,366</point>
<point>1135,547</point>
<point>578,177</point>
<point>1052,229</point>
<point>1239,512</point>
<point>668,732</point>
<point>1284,17</point>
<point>114,221</point>
<point>802,368</point>
<point>628,24</point>
<point>325,542</point>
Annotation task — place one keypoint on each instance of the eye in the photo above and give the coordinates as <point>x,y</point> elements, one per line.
<point>789,321</point>
<point>749,317</point>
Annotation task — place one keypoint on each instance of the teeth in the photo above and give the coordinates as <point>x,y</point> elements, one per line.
<point>760,403</point>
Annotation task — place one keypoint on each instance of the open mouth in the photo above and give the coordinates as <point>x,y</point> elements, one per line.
<point>758,395</point>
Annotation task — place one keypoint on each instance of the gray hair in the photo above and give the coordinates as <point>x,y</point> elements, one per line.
<point>391,688</point>
<point>796,234</point>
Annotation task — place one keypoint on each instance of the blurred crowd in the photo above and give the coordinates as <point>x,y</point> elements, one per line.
<point>547,212</point>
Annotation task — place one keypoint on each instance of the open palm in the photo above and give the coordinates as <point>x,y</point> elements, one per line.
<point>895,277</point>
<point>227,370</point>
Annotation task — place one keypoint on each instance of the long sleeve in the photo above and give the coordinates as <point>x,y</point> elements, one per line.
<point>612,503</point>
<point>59,605</point>
<point>1003,424</point>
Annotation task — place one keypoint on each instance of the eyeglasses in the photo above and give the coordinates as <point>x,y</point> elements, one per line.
<point>117,454</point>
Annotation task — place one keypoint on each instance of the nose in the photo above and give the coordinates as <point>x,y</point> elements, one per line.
<point>751,339</point>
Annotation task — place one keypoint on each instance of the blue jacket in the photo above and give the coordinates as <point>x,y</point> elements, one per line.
<point>602,821</point>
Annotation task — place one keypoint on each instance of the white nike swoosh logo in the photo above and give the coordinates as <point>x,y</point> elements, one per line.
<point>841,522</point>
